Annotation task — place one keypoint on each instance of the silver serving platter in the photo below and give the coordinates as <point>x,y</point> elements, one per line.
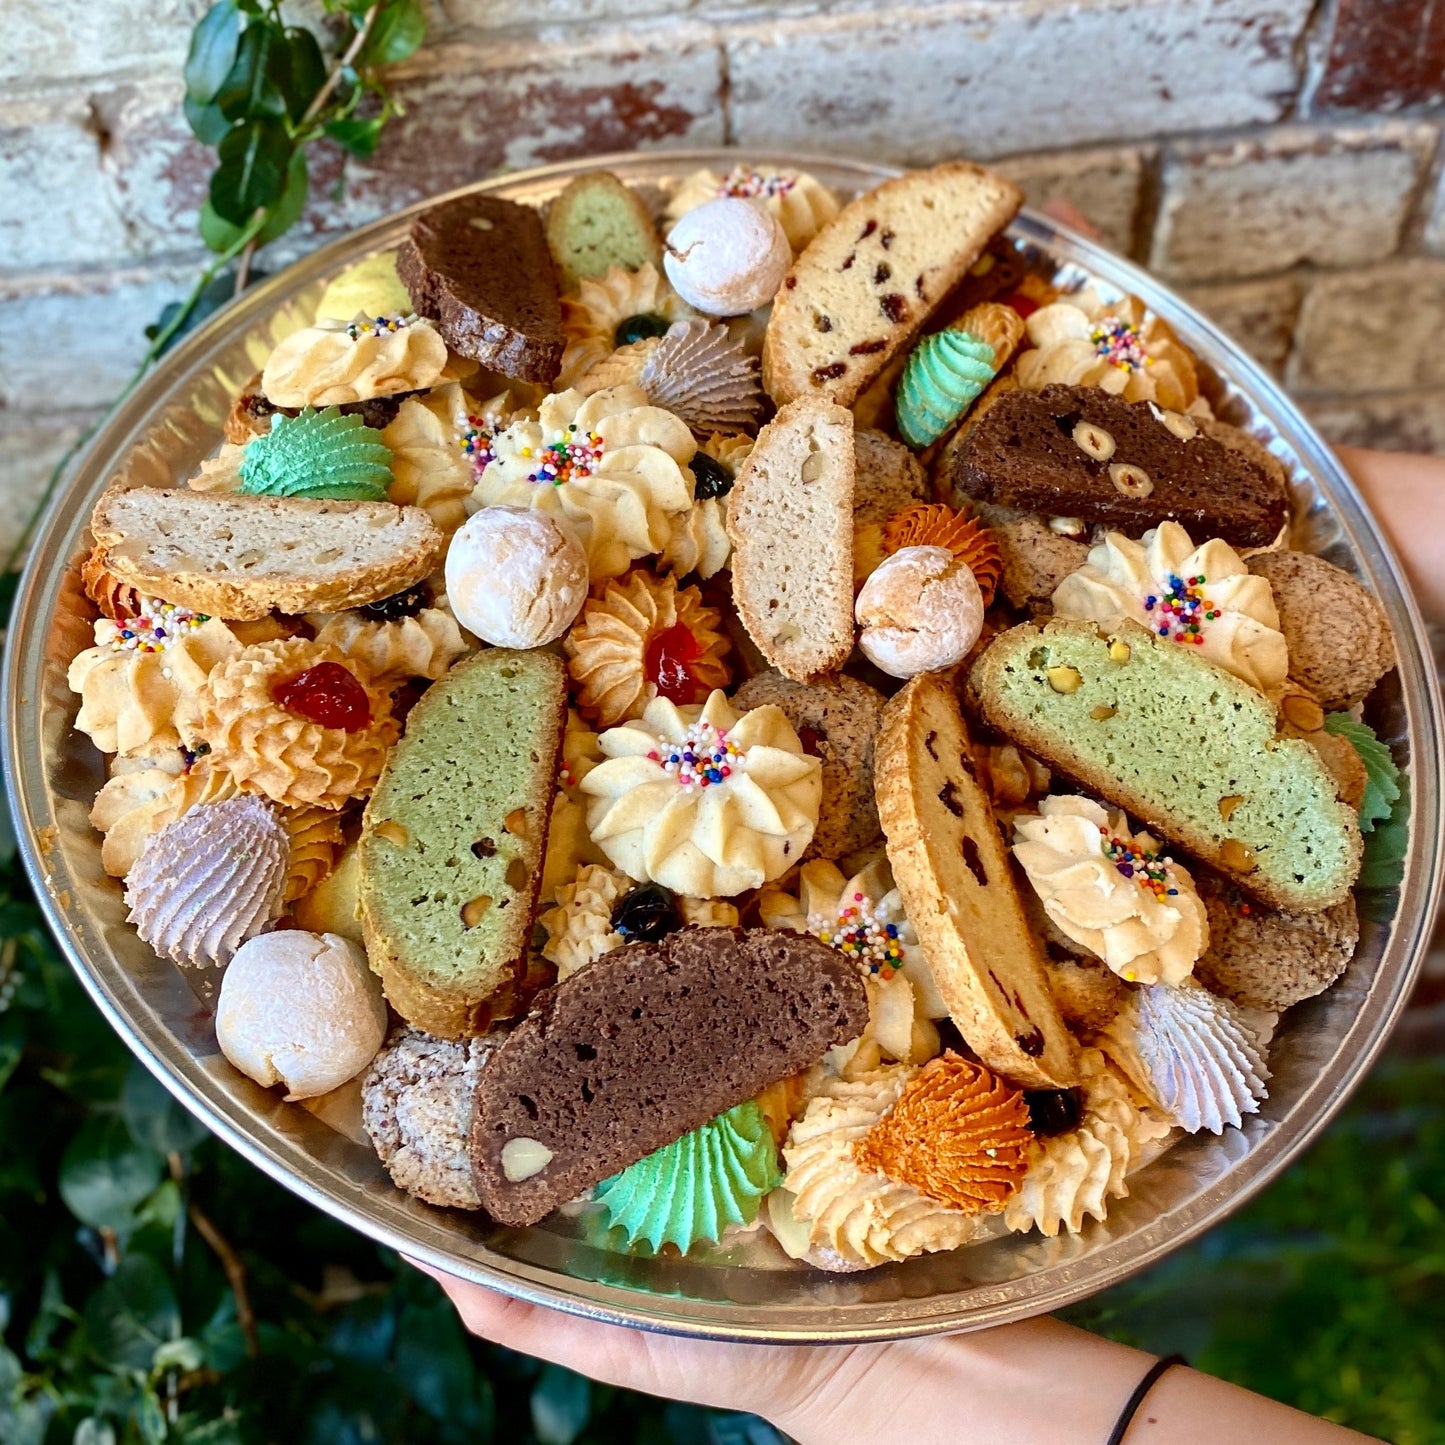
<point>746,1289</point>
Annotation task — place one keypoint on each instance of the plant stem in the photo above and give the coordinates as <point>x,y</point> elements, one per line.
<point>333,79</point>
<point>235,1275</point>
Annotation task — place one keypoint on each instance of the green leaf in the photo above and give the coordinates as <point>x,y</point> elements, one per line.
<point>250,90</point>
<point>1382,777</point>
<point>183,1354</point>
<point>561,1405</point>
<point>254,161</point>
<point>299,69</point>
<point>218,234</point>
<point>359,137</point>
<point>132,1315</point>
<point>287,211</point>
<point>213,52</point>
<point>207,123</point>
<point>94,1431</point>
<point>151,1417</point>
<point>397,34</point>
<point>153,1116</point>
<point>432,1357</point>
<point>105,1174</point>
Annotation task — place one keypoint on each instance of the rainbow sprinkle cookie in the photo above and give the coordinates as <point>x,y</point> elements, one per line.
<point>702,759</point>
<point>569,458</point>
<point>863,933</point>
<point>377,326</point>
<point>475,440</point>
<point>1119,343</point>
<point>1181,612</point>
<point>742,182</point>
<point>1147,867</point>
<point>156,627</point>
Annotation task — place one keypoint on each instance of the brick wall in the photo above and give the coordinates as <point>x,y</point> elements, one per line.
<point>1278,160</point>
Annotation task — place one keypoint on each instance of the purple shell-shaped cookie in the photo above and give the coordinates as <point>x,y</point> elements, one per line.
<point>208,882</point>
<point>699,373</point>
<point>1204,1063</point>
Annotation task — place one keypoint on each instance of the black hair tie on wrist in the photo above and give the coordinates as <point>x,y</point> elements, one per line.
<point>1131,1405</point>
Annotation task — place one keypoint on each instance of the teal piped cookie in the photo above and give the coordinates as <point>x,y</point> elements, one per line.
<point>320,456</point>
<point>944,376</point>
<point>693,1188</point>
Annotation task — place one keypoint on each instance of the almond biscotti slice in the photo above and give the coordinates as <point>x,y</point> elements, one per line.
<point>874,274</point>
<point>1183,746</point>
<point>790,518</point>
<point>242,557</point>
<point>453,837</point>
<point>952,867</point>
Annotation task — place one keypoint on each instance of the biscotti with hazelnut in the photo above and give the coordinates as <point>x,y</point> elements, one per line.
<point>645,1044</point>
<point>874,274</point>
<point>954,872</point>
<point>1077,451</point>
<point>790,520</point>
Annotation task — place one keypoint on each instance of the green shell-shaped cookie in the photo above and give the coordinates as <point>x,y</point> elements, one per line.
<point>695,1187</point>
<point>944,375</point>
<point>319,455</point>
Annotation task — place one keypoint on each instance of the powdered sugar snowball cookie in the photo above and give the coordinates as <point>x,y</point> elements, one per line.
<point>1196,1056</point>
<point>1113,891</point>
<point>300,1009</point>
<point>704,800</point>
<point>920,610</point>
<point>727,257</point>
<point>1072,1176</point>
<point>1204,597</point>
<point>515,577</point>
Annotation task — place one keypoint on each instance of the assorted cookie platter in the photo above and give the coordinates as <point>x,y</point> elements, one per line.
<point>807,781</point>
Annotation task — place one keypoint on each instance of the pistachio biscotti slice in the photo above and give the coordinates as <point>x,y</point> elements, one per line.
<point>452,841</point>
<point>874,274</point>
<point>1181,745</point>
<point>790,520</point>
<point>241,557</point>
<point>954,873</point>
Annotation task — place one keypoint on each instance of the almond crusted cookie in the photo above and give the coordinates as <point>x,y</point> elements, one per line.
<point>837,720</point>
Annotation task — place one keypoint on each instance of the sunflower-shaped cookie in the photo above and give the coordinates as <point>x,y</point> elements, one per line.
<point>610,463</point>
<point>614,310</point>
<point>640,637</point>
<point>298,721</point>
<point>1082,340</point>
<point>702,800</point>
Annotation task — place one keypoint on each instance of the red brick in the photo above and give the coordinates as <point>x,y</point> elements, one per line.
<point>1382,55</point>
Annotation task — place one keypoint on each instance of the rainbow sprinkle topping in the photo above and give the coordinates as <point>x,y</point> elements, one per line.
<point>1148,869</point>
<point>475,440</point>
<point>1181,611</point>
<point>1119,344</point>
<point>702,759</point>
<point>743,182</point>
<point>862,932</point>
<point>158,625</point>
<point>376,326</point>
<point>569,458</point>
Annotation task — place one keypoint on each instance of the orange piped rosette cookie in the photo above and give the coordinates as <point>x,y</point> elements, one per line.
<point>643,637</point>
<point>957,1134</point>
<point>931,524</point>
<point>298,721</point>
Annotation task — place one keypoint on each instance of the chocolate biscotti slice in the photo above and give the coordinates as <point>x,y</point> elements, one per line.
<point>452,841</point>
<point>790,519</point>
<point>481,269</point>
<point>644,1044</point>
<point>874,274</point>
<point>1188,749</point>
<point>243,557</point>
<point>957,882</point>
<point>1077,451</point>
